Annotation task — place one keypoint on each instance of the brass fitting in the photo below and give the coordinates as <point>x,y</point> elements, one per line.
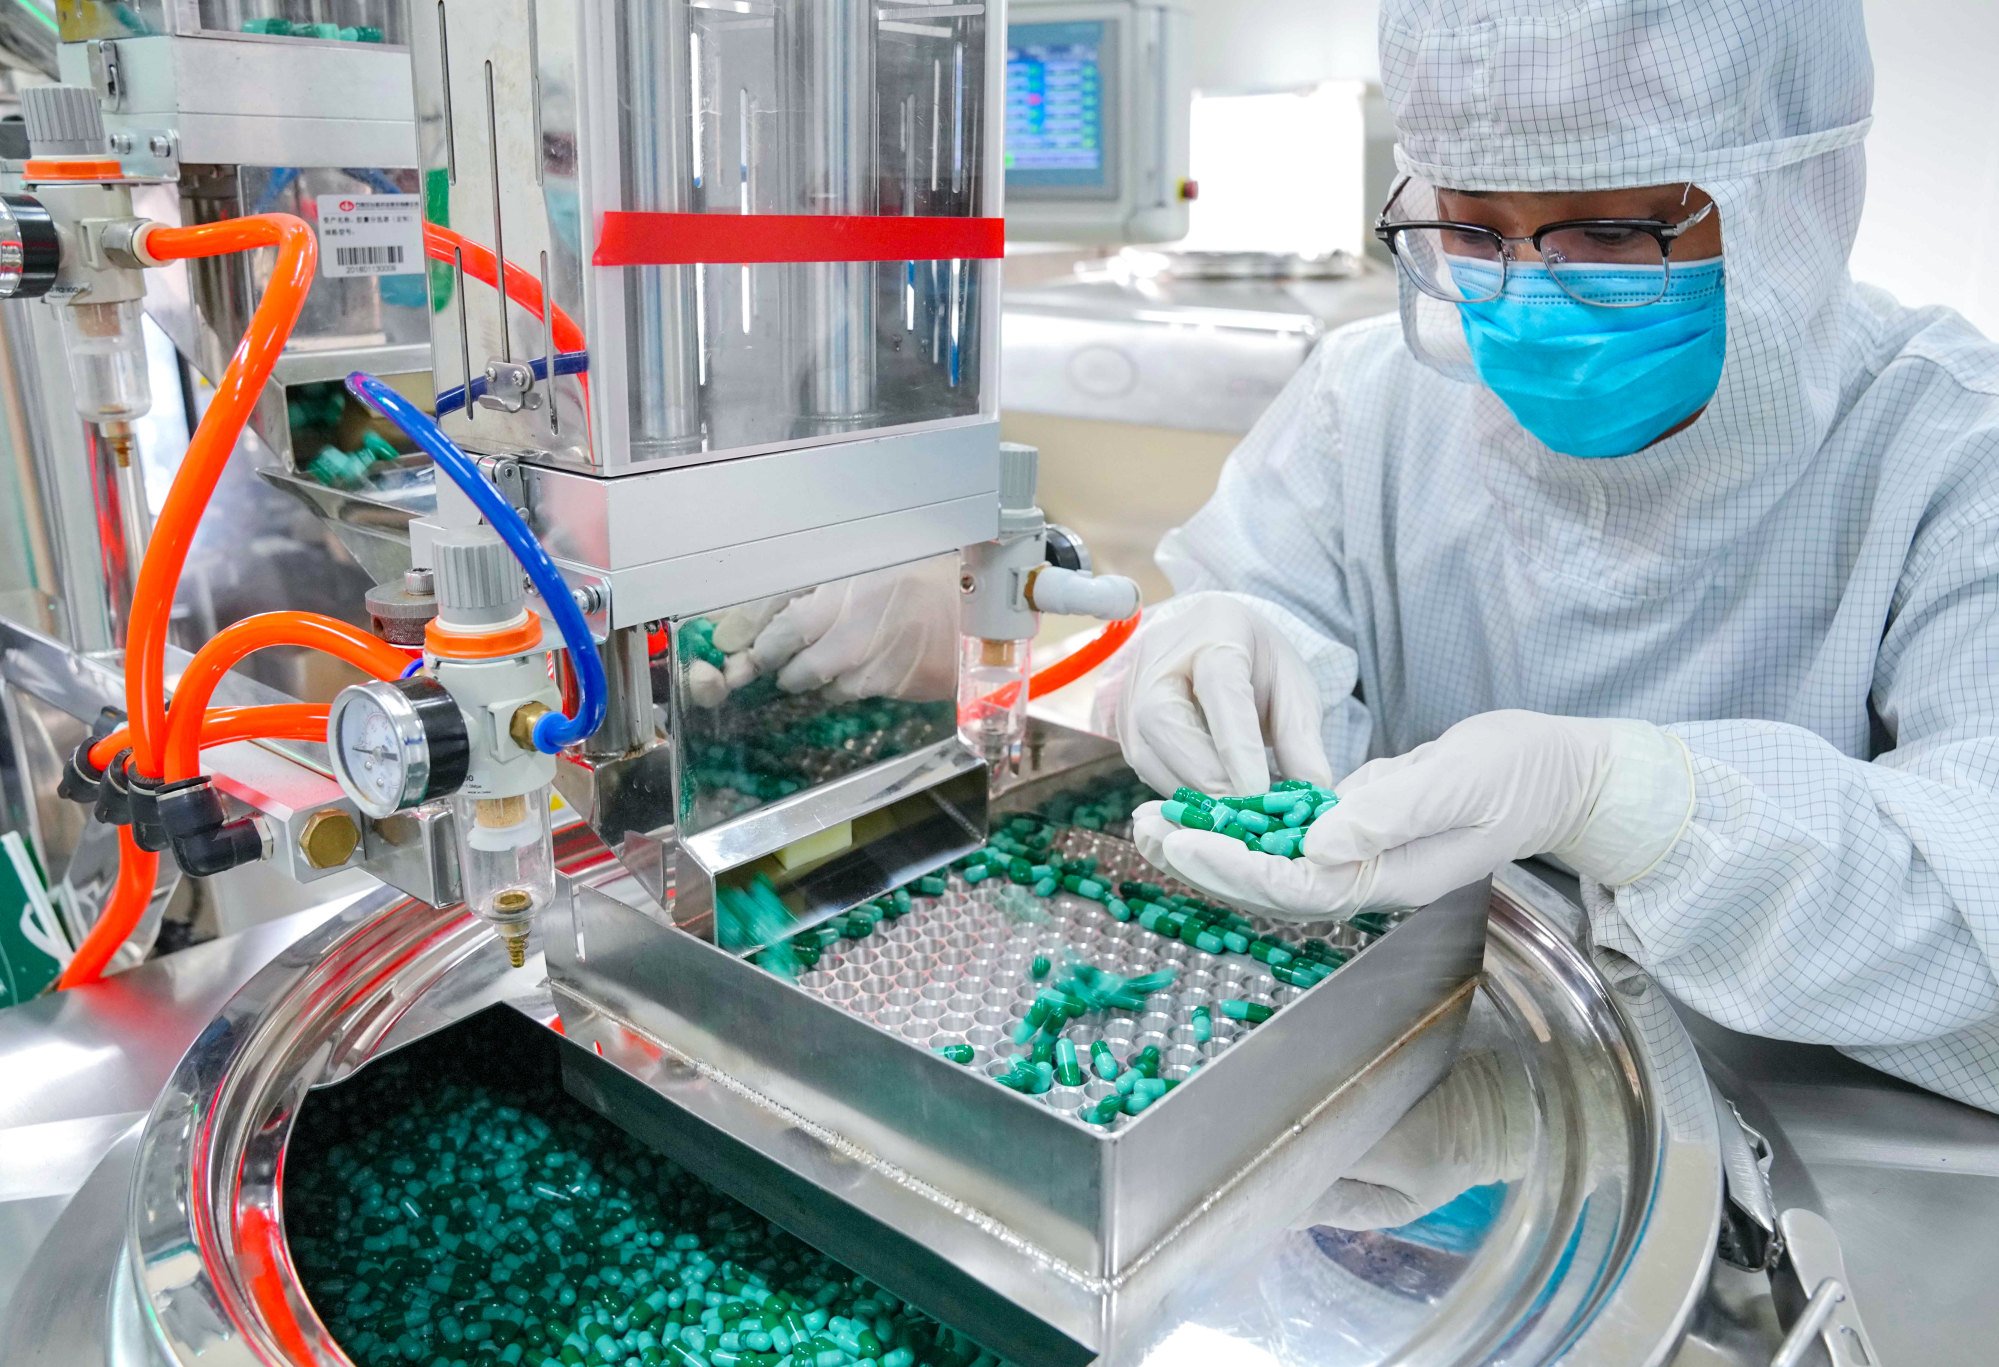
<point>329,838</point>
<point>521,726</point>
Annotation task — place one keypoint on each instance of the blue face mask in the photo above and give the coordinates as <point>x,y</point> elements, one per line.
<point>1593,381</point>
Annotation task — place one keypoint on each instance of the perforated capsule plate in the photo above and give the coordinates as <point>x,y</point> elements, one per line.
<point>958,969</point>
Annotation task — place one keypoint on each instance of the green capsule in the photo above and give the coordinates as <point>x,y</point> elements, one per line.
<point>1039,968</point>
<point>1204,1025</point>
<point>1103,1062</point>
<point>1146,1063</point>
<point>1046,887</point>
<point>1044,1076</point>
<point>1293,974</point>
<point>1182,815</point>
<point>1193,797</point>
<point>1372,922</point>
<point>1119,909</point>
<point>1324,807</point>
<point>1268,951</point>
<point>1235,942</point>
<point>1210,942</point>
<point>957,1053</point>
<point>1299,815</point>
<point>1256,1013</point>
<point>1068,1071</point>
<point>1253,821</point>
<point>977,874</point>
<point>1102,1112</point>
<point>1295,785</point>
<point>1147,1091</point>
<point>1285,844</point>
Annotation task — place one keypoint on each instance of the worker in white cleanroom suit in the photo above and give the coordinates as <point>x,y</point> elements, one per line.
<point>1657,546</point>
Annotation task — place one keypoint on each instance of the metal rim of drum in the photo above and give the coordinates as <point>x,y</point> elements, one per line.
<point>206,1175</point>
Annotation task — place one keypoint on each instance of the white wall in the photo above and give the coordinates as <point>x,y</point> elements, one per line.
<point>1247,45</point>
<point>1934,152</point>
<point>1934,149</point>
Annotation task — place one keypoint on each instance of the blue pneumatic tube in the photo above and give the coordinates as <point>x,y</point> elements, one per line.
<point>555,730</point>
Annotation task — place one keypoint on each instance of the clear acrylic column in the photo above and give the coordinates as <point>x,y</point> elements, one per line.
<point>829,51</point>
<point>659,178</point>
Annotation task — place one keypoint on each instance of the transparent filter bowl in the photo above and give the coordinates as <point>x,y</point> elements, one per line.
<point>507,860</point>
<point>992,702</point>
<point>107,367</point>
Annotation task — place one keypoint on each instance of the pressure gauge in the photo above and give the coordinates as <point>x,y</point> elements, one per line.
<point>396,745</point>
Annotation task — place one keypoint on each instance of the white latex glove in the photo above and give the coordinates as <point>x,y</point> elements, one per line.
<point>1608,799</point>
<point>708,686</point>
<point>735,630</point>
<point>889,634</point>
<point>1211,684</point>
<point>1474,1127</point>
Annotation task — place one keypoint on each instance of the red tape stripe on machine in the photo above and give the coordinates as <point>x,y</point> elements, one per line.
<point>658,239</point>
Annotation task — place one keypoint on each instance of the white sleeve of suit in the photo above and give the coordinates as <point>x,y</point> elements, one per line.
<point>1271,538</point>
<point>1820,897</point>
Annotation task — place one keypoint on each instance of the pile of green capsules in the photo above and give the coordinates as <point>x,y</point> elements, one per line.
<point>464,1223</point>
<point>1060,1037</point>
<point>285,28</point>
<point>752,916</point>
<point>1274,822</point>
<point>1023,853</point>
<point>765,744</point>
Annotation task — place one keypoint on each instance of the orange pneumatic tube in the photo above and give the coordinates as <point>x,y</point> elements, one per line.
<point>166,553</point>
<point>1077,663</point>
<point>221,725</point>
<point>226,649</point>
<point>442,244</point>
<point>208,452</point>
<point>138,868</point>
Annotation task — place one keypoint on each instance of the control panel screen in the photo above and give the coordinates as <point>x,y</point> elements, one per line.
<point>1057,84</point>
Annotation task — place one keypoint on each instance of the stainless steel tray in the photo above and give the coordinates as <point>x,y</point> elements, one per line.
<point>1052,1240</point>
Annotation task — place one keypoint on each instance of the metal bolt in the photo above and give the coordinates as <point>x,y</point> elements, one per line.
<point>966,583</point>
<point>160,145</point>
<point>121,143</point>
<point>329,838</point>
<point>419,583</point>
<point>521,726</point>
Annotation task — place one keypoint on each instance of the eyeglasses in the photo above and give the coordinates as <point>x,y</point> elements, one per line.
<point>1614,263</point>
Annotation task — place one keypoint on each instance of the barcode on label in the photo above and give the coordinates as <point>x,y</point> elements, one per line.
<point>368,256</point>
<point>370,236</point>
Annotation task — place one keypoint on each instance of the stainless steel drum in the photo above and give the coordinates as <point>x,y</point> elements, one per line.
<point>1601,1250</point>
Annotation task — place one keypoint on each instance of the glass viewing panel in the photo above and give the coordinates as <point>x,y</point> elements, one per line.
<point>746,740</point>
<point>349,21</point>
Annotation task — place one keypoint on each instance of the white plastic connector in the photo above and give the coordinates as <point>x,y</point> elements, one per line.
<point>1109,597</point>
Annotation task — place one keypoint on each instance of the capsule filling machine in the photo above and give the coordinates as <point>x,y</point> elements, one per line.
<point>718,282</point>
